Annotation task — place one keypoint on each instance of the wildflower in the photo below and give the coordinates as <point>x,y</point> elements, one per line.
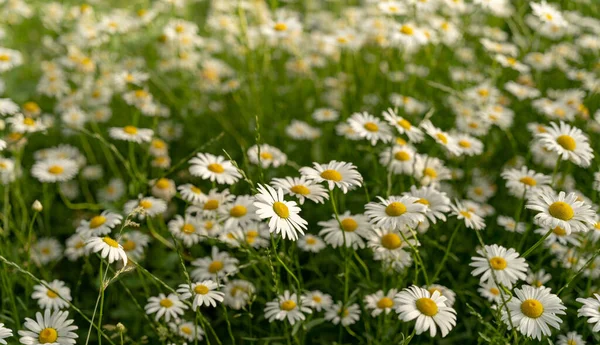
<point>396,212</point>
<point>218,266</point>
<point>283,215</point>
<point>99,225</point>
<point>336,174</point>
<point>568,142</point>
<point>507,266</point>
<point>286,307</point>
<point>591,310</point>
<point>214,168</point>
<point>50,171</point>
<point>203,293</point>
<point>108,248</point>
<point>429,309</point>
<point>380,302</point>
<point>168,306</point>
<point>349,230</point>
<point>562,210</point>
<point>54,297</point>
<point>302,188</point>
<point>347,316</point>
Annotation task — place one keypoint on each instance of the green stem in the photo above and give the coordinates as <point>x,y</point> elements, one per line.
<point>447,253</point>
<point>537,244</point>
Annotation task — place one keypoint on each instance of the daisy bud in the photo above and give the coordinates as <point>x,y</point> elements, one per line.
<point>121,328</point>
<point>37,206</point>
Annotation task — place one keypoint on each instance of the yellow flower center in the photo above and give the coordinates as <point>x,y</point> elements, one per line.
<point>391,241</point>
<point>129,245</point>
<point>162,183</point>
<point>300,189</point>
<point>442,137</point>
<point>558,231</point>
<point>201,289</point>
<point>216,168</point>
<point>498,263</point>
<point>464,144</point>
<point>51,294</point>
<point>404,124</point>
<point>186,330</point>
<point>266,155</point>
<point>280,27</point>
<point>158,144</point>
<point>311,241</point>
<point>423,201</point>
<point>196,190</point>
<point>407,30</point>
<point>532,308</point>
<point>132,130</point>
<point>385,302</point>
<point>252,233</point>
<point>48,336</point>
<point>28,121</point>
<point>4,57</point>
<point>215,266</point>
<point>561,210</point>
<point>494,291</point>
<point>349,225</point>
<point>371,127</point>
<point>110,242</point>
<point>281,210</point>
<point>317,299</point>
<point>166,303</point>
<point>427,306</point>
<point>288,305</point>
<point>238,211</point>
<point>430,172</point>
<point>208,226</point>
<point>97,221</point>
<point>402,156</point>
<point>331,175</point>
<point>188,228</point>
<point>145,204</point>
<point>530,181</point>
<point>465,214</point>
<point>571,342</point>
<point>395,209</point>
<point>567,142</point>
<point>56,170</point>
<point>211,204</point>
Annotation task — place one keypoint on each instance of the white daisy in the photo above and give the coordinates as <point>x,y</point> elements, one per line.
<point>444,291</point>
<point>240,212</point>
<point>302,188</point>
<point>218,266</point>
<point>337,174</point>
<point>491,291</point>
<point>510,225</point>
<point>149,206</point>
<point>398,159</point>
<point>532,310</point>
<point>191,193</point>
<point>131,133</point>
<point>350,230</point>
<point>563,210</point>
<point>370,127</point>
<point>163,188</point>
<point>436,202</point>
<point>99,225</point>
<point>168,306</point>
<point>214,168</point>
<point>523,180</point>
<point>4,333</point>
<point>403,126</point>
<point>204,293</point>
<point>380,302</point>
<point>238,293</point>
<point>49,328</point>
<point>430,170</point>
<point>187,229</point>
<point>310,243</point>
<point>472,220</point>
<point>539,278</point>
<point>337,313</point>
<point>46,250</point>
<point>23,124</point>
<point>108,248</point>
<point>269,156</point>
<point>430,310</point>
<point>134,243</point>
<point>55,297</point>
<point>591,310</point>
<point>75,247</point>
<point>286,307</point>
<point>187,330</point>
<point>572,338</point>
<point>396,212</point>
<point>441,137</point>
<point>316,300</point>
<point>570,143</point>
<point>283,215</point>
<point>506,264</point>
<point>51,171</point>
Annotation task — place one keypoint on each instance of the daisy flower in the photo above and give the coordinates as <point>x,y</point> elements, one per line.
<point>548,14</point>
<point>187,229</point>
<point>238,293</point>
<point>507,265</point>
<point>430,310</point>
<point>99,225</point>
<point>336,174</point>
<point>134,243</point>
<point>559,235</point>
<point>55,297</point>
<point>398,159</point>
<point>240,212</point>
<point>572,338</point>
<point>149,206</point>
<point>568,142</point>
<point>218,266</point>
<point>430,170</point>
<point>510,225</point>
<point>472,220</point>
<point>491,291</point>
<point>163,188</point>
<point>564,210</point>
<point>214,168</point>
<point>286,307</point>
<point>131,133</point>
<point>370,127</point>
<point>324,115</point>
<point>49,328</point>
<point>310,243</point>
<point>317,300</point>
<point>395,212</point>
<point>388,242</point>
<point>436,202</point>
<point>301,188</point>
<point>269,156</point>
<point>23,124</point>
<point>113,191</point>
<point>591,310</point>
<point>46,250</point>
<point>441,137</point>
<point>204,293</point>
<point>380,302</point>
<point>523,180</point>
<point>539,278</point>
<point>213,203</point>
<point>191,193</point>
<point>349,230</point>
<point>75,247</point>
<point>50,171</point>
<point>187,330</point>
<point>108,248</point>
<point>283,215</point>
<point>4,333</point>
<point>468,145</point>
<point>444,291</point>
<point>168,306</point>
<point>403,126</point>
<point>347,316</point>
<point>532,310</point>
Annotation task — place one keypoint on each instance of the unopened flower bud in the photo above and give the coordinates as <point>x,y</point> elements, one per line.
<point>37,206</point>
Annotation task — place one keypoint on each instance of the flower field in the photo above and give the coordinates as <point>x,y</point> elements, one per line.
<point>300,172</point>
